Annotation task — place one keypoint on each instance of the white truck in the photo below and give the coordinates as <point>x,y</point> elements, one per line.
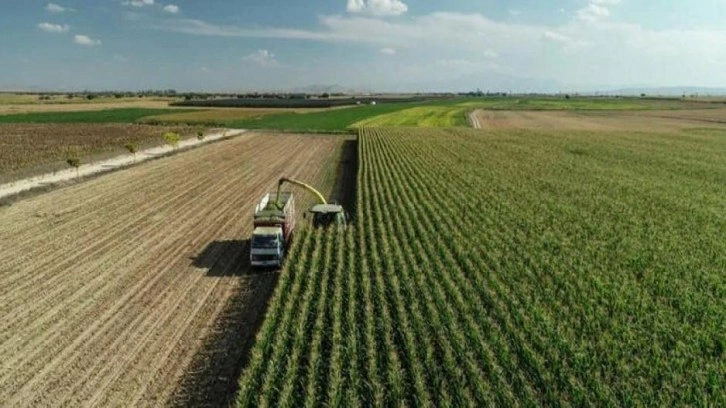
<point>274,222</point>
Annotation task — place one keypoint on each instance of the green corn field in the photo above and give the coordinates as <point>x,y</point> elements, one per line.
<point>509,269</point>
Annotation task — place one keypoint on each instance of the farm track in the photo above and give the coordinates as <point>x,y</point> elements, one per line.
<point>102,303</point>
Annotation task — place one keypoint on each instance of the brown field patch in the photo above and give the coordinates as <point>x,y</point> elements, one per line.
<point>639,121</point>
<point>134,289</point>
<point>31,149</point>
<point>10,109</point>
<point>717,115</point>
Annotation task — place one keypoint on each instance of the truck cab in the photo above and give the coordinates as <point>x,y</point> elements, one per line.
<point>267,247</point>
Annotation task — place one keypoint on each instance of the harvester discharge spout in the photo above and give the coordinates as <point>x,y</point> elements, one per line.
<point>299,183</point>
<point>324,214</point>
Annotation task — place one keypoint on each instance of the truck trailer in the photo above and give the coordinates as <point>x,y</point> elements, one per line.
<point>274,223</point>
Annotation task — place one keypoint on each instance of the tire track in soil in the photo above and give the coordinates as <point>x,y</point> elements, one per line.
<point>100,279</point>
<point>121,302</point>
<point>221,379</point>
<point>168,324</point>
<point>90,221</point>
<point>147,292</point>
<point>76,197</point>
<point>110,240</point>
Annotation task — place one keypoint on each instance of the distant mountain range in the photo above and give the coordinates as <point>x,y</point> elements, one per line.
<point>330,89</point>
<point>669,91</point>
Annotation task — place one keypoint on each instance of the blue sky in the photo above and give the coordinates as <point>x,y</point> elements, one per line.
<point>382,45</point>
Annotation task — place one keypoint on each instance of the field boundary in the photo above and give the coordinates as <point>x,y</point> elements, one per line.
<point>44,181</point>
<point>473,120</point>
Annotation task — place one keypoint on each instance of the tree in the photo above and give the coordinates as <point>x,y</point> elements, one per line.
<point>74,161</point>
<point>172,139</point>
<point>200,135</point>
<point>132,148</point>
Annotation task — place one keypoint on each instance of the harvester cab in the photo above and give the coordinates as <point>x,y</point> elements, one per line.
<point>326,215</point>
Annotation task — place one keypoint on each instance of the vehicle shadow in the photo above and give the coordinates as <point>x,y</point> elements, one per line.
<point>225,258</point>
<point>212,378</point>
<point>345,184</point>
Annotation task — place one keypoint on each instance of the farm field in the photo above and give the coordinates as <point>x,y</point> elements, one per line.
<point>509,268</point>
<point>717,115</point>
<point>340,120</point>
<point>133,289</point>
<point>426,116</point>
<point>600,121</point>
<point>30,104</point>
<point>437,113</point>
<point>121,115</point>
<point>28,149</point>
<point>222,116</point>
<point>454,112</point>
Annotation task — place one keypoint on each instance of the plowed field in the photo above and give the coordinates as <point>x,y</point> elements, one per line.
<point>600,121</point>
<point>133,289</point>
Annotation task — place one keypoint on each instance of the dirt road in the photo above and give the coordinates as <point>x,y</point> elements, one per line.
<point>133,289</point>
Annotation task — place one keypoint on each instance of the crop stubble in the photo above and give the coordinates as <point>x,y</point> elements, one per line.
<point>110,289</point>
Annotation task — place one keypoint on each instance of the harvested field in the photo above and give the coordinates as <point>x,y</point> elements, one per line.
<point>10,109</point>
<point>634,121</point>
<point>700,115</point>
<point>133,289</point>
<point>29,149</point>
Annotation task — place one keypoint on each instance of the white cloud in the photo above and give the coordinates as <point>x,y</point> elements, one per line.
<point>568,44</point>
<point>54,8</point>
<point>593,12</point>
<point>138,3</point>
<point>596,10</point>
<point>456,62</point>
<point>377,7</point>
<point>171,8</point>
<point>199,27</point>
<point>85,40</point>
<point>550,35</point>
<point>53,28</point>
<point>388,51</point>
<point>120,58</point>
<point>621,53</point>
<point>491,54</point>
<point>515,13</point>
<point>263,58</point>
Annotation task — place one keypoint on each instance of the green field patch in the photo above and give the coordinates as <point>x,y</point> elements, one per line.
<point>125,115</point>
<point>424,116</point>
<point>338,120</point>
